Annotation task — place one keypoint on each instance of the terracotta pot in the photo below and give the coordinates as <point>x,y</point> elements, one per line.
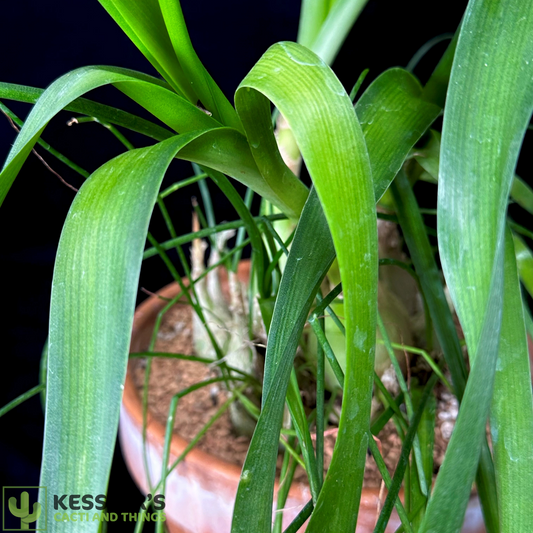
<point>200,492</point>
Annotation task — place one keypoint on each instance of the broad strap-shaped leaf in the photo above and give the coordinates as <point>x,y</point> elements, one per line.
<point>210,95</point>
<point>333,31</point>
<point>332,144</point>
<point>72,85</point>
<point>296,292</point>
<point>158,29</point>
<point>428,158</point>
<point>254,112</point>
<point>512,409</point>
<point>224,149</point>
<point>104,113</point>
<point>393,116</point>
<point>91,314</point>
<point>488,106</point>
<point>142,21</point>
<point>312,243</point>
<point>313,13</point>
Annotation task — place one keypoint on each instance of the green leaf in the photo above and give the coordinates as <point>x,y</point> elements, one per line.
<point>254,112</point>
<point>142,21</point>
<point>312,243</point>
<point>209,94</point>
<point>104,113</point>
<point>394,88</point>
<point>419,246</point>
<point>313,13</point>
<point>69,87</point>
<point>488,107</point>
<point>426,435</point>
<point>332,145</point>
<point>158,29</point>
<point>428,157</point>
<point>334,30</point>
<point>403,461</point>
<point>512,409</point>
<point>522,194</point>
<point>223,149</point>
<point>392,114</point>
<point>91,314</point>
<point>524,260</point>
<point>437,85</point>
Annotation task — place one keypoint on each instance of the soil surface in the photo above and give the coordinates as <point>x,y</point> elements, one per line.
<point>169,376</point>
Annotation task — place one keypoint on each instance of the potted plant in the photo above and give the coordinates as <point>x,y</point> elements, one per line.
<point>355,159</point>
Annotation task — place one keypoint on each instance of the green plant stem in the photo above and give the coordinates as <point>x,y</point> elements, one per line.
<point>384,417</point>
<point>223,408</point>
<point>404,457</point>
<point>400,264</point>
<point>22,398</point>
<point>357,85</point>
<point>236,224</point>
<point>300,519</point>
<point>425,48</point>
<point>248,198</point>
<point>427,358</point>
<point>320,422</point>
<point>323,303</point>
<point>169,431</point>
<point>206,199</point>
<point>286,476</point>
<point>110,127</point>
<point>181,184</point>
<point>194,358</point>
<point>382,467</point>
<point>58,155</point>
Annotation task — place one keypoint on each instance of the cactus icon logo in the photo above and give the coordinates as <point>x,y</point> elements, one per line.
<point>18,513</point>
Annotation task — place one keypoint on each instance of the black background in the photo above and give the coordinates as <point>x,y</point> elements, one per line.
<point>40,41</point>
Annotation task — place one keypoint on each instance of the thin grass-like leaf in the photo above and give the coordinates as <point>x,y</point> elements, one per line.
<point>419,246</point>
<point>524,260</point>
<point>22,398</point>
<point>426,436</point>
